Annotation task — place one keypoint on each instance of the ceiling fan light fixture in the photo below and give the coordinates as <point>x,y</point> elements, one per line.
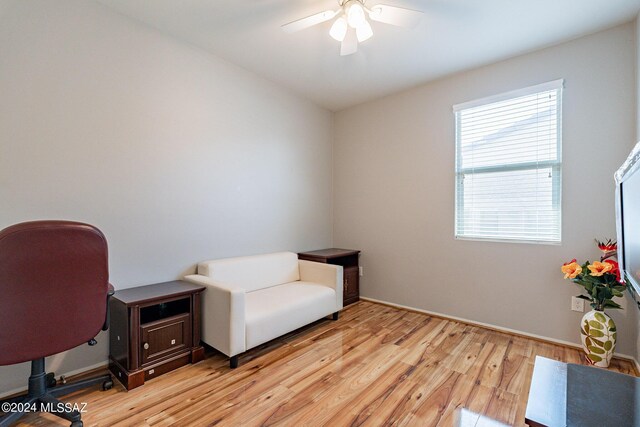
<point>352,25</point>
<point>355,14</point>
<point>339,29</point>
<point>364,32</point>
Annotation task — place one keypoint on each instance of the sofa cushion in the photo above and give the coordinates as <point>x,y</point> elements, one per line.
<point>253,272</point>
<point>275,311</point>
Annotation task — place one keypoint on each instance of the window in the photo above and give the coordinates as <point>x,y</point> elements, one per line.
<point>509,166</point>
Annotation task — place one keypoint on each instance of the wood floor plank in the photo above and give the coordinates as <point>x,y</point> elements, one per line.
<point>383,362</point>
<point>432,399</point>
<point>377,365</point>
<point>467,395</point>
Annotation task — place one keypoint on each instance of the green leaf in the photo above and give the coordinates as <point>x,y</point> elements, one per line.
<point>596,324</point>
<point>596,333</point>
<point>611,324</point>
<point>586,327</point>
<point>610,304</point>
<point>600,317</point>
<point>598,342</point>
<point>608,345</point>
<point>598,350</point>
<point>614,336</point>
<point>587,341</point>
<point>594,358</point>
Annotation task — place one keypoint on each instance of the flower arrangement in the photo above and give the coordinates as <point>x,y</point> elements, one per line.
<point>601,279</point>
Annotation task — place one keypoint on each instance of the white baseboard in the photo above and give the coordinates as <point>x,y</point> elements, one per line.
<point>66,374</point>
<point>498,328</point>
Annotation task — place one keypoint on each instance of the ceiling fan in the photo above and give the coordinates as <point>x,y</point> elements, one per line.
<point>352,26</point>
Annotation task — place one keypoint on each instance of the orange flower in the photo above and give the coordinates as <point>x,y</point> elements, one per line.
<point>571,269</point>
<point>599,268</point>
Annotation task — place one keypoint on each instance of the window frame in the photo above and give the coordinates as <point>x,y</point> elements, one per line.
<point>555,165</point>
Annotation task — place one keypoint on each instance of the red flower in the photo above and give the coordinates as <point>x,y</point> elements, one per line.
<point>608,246</point>
<point>570,262</point>
<point>615,270</point>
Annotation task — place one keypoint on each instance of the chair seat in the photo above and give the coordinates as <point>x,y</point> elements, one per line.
<point>275,311</point>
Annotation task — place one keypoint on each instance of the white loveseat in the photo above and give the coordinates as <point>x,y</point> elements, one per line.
<point>251,300</point>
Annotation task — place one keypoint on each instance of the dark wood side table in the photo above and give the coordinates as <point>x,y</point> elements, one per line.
<point>348,259</point>
<point>154,329</point>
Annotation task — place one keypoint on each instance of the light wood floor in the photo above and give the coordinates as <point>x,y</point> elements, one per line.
<point>375,366</point>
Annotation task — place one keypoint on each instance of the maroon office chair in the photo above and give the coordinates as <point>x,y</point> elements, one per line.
<point>54,296</point>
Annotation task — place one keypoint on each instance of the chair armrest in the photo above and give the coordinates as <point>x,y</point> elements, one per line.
<point>223,315</point>
<point>324,274</point>
<point>107,318</point>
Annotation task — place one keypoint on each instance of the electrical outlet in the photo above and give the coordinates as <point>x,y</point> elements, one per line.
<point>577,304</point>
<point>361,271</point>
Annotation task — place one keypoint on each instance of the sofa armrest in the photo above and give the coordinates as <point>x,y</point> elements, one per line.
<point>325,274</point>
<point>223,315</point>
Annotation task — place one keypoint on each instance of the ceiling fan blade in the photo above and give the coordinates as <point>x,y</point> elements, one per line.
<point>393,15</point>
<point>309,21</point>
<point>349,45</point>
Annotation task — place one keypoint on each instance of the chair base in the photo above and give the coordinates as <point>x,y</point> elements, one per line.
<point>42,396</point>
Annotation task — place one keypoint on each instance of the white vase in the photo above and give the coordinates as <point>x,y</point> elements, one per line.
<point>598,337</point>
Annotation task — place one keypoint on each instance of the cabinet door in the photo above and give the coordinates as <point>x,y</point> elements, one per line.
<point>165,337</point>
<point>351,285</point>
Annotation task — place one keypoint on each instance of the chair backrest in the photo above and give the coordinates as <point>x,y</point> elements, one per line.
<point>54,279</point>
<point>253,272</point>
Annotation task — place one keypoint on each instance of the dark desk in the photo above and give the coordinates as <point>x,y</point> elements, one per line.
<point>571,395</point>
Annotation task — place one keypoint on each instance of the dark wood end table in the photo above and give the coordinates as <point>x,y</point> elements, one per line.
<point>348,259</point>
<point>154,329</point>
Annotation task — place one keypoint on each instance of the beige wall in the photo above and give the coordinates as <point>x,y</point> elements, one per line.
<point>394,191</point>
<point>176,155</point>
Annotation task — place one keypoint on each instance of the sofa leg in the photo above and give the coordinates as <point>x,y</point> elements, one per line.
<point>335,315</point>
<point>233,362</point>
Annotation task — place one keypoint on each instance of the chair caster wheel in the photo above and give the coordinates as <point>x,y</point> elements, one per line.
<point>107,385</point>
<point>50,379</point>
<point>77,424</point>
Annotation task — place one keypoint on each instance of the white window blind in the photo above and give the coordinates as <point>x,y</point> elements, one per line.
<point>509,166</point>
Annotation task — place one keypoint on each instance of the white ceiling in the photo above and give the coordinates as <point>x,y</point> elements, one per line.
<point>454,35</point>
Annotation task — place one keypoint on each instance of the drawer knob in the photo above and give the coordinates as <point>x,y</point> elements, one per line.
<point>146,346</point>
